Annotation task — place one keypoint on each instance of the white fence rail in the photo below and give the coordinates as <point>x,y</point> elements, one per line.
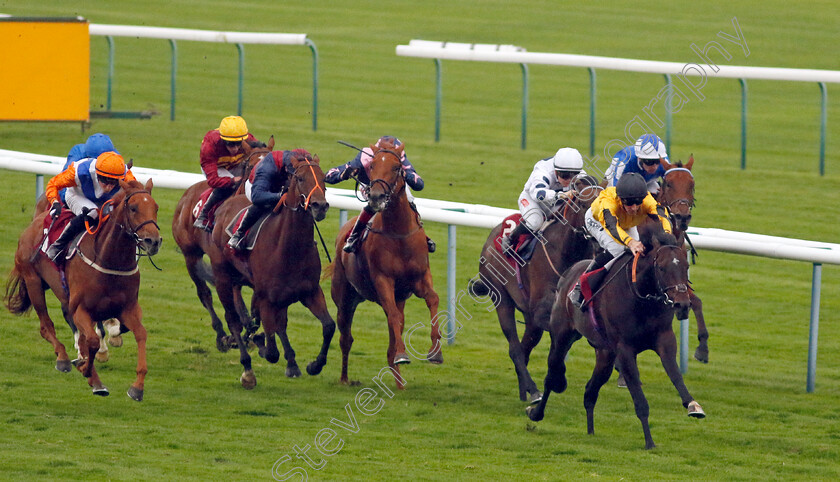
<point>474,215</point>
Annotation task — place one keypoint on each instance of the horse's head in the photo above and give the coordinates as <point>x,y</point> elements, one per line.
<point>306,185</point>
<point>386,174</point>
<point>669,265</point>
<point>254,152</point>
<point>677,192</point>
<point>137,212</point>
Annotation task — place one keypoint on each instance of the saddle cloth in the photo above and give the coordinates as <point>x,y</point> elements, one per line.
<point>253,231</point>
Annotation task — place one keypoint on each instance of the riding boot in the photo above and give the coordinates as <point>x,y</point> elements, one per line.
<point>509,240</point>
<point>358,229</point>
<point>251,216</point>
<point>73,228</point>
<point>202,221</point>
<point>576,295</point>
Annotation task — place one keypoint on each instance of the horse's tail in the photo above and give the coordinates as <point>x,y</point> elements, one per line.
<point>16,298</point>
<point>205,272</point>
<point>327,272</point>
<point>477,286</point>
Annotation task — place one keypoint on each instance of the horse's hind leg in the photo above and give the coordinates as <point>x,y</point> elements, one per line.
<point>276,321</point>
<point>604,362</point>
<point>88,345</point>
<point>35,291</point>
<point>132,319</point>
<point>627,364</point>
<point>666,347</point>
<point>244,317</point>
<point>555,378</point>
<point>206,298</point>
<point>527,388</point>
<point>318,306</point>
<point>224,288</point>
<point>346,300</point>
<point>530,339</point>
<point>702,351</point>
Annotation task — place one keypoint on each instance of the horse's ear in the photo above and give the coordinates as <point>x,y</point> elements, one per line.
<point>270,143</point>
<point>130,164</point>
<point>123,185</point>
<point>372,147</point>
<point>690,162</point>
<point>665,164</point>
<point>316,159</point>
<point>401,149</point>
<point>149,185</point>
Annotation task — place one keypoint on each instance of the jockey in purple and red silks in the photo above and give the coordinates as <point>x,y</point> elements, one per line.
<point>360,167</point>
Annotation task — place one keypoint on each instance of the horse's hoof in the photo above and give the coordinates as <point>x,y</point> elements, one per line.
<point>314,368</point>
<point>115,341</point>
<point>221,344</point>
<point>695,410</point>
<point>536,398</point>
<point>533,414</point>
<point>701,355</point>
<point>101,390</point>
<point>78,362</point>
<point>437,358</point>
<point>102,356</point>
<point>63,366</point>
<point>248,379</point>
<point>401,358</point>
<point>135,394</point>
<point>622,383</point>
<point>293,372</point>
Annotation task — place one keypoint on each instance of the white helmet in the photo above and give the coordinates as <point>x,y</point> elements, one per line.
<point>649,146</point>
<point>568,159</point>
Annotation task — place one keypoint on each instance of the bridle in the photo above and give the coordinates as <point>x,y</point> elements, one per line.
<point>304,199</point>
<point>390,189</point>
<point>689,203</point>
<point>132,230</point>
<point>661,294</point>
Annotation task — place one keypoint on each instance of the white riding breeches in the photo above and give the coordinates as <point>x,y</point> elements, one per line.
<point>533,212</point>
<point>606,241</point>
<point>77,202</point>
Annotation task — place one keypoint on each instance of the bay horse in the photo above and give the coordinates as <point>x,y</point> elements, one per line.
<point>194,242</point>
<point>282,268</point>
<point>564,242</point>
<point>102,280</point>
<point>677,194</point>
<point>631,312</point>
<point>387,267</point>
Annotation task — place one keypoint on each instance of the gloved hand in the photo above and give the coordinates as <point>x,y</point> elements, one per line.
<point>348,173</point>
<point>55,209</point>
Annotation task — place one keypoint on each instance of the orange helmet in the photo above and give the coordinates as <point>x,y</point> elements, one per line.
<point>110,164</point>
<point>233,128</point>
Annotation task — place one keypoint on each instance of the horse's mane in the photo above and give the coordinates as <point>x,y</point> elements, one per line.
<point>652,234</point>
<point>256,144</point>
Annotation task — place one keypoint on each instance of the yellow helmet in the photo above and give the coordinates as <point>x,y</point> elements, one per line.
<point>110,164</point>
<point>233,128</point>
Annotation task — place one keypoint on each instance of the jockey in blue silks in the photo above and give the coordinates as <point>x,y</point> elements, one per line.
<point>641,158</point>
<point>95,145</point>
<point>360,166</point>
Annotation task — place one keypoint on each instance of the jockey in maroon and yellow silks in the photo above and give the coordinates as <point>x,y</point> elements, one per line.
<point>214,155</point>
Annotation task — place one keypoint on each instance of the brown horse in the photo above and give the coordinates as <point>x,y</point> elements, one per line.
<point>564,242</point>
<point>388,267</point>
<point>632,312</point>
<point>677,194</point>
<point>102,281</point>
<point>283,268</point>
<point>194,242</point>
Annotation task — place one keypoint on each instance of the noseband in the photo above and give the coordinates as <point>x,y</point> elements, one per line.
<point>661,293</point>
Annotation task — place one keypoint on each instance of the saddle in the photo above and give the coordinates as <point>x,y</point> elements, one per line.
<point>253,232</point>
<point>53,229</point>
<point>523,246</point>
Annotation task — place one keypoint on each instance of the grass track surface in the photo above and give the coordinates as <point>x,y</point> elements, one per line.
<point>461,420</point>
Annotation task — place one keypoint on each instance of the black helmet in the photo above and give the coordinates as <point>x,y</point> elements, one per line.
<point>631,186</point>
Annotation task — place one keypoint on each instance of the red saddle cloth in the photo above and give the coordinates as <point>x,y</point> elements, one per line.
<point>211,216</point>
<point>54,229</point>
<point>585,288</point>
<point>510,224</point>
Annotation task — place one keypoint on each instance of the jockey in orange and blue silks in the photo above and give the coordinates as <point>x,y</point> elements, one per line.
<point>612,219</point>
<point>83,188</point>
<point>360,167</point>
<point>264,188</point>
<point>642,158</point>
<point>221,161</point>
<point>95,145</point>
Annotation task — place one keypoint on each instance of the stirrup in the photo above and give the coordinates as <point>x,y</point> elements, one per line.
<point>576,296</point>
<point>201,223</point>
<point>235,242</point>
<point>431,244</point>
<point>350,245</point>
<point>54,254</point>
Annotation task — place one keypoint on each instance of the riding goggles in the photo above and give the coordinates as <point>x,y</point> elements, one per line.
<point>650,162</point>
<point>632,201</point>
<point>566,175</point>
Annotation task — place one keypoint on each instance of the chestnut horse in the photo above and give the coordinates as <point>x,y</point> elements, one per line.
<point>387,267</point>
<point>631,312</point>
<point>677,194</point>
<point>283,268</point>
<point>563,243</point>
<point>102,280</point>
<point>194,242</point>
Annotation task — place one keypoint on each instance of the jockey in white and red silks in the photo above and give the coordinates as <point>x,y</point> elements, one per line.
<point>360,167</point>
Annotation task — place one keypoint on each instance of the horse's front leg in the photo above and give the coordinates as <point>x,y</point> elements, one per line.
<point>88,346</point>
<point>224,288</point>
<point>628,367</point>
<point>132,319</point>
<point>318,306</point>
<point>666,347</point>
<point>702,351</point>
<point>396,319</point>
<point>424,289</point>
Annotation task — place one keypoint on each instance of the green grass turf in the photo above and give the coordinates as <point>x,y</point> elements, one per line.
<point>461,420</point>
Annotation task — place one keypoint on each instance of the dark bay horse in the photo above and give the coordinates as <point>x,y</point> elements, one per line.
<point>194,242</point>
<point>283,268</point>
<point>633,311</point>
<point>677,194</point>
<point>566,243</point>
<point>102,280</point>
<point>388,267</point>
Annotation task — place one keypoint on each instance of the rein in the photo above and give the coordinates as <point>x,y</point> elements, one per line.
<point>661,293</point>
